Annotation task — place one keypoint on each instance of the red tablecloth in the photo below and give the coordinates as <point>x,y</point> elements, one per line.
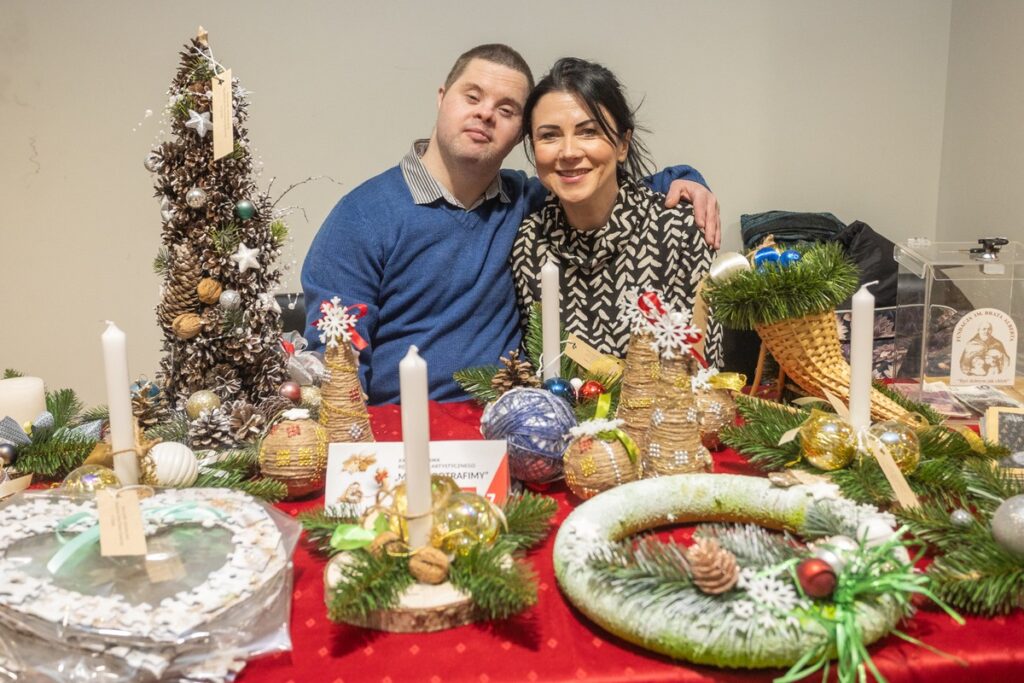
<point>553,642</point>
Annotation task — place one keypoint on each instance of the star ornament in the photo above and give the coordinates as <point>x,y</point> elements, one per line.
<point>200,123</point>
<point>246,258</point>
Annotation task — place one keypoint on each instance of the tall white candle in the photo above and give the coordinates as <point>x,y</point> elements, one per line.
<point>550,298</point>
<point>412,375</point>
<point>119,403</point>
<point>862,332</point>
<point>22,398</point>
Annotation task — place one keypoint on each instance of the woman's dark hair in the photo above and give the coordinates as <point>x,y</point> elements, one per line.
<point>599,91</point>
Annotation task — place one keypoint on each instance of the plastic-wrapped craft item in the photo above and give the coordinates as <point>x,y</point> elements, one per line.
<point>213,590</point>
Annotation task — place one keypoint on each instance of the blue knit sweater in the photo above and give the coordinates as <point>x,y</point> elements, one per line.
<point>432,275</point>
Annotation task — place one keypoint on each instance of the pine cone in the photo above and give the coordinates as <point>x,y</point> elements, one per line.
<point>148,411</point>
<point>274,406</point>
<point>516,373</point>
<point>223,380</point>
<point>211,430</point>
<point>246,422</point>
<point>713,568</point>
<point>179,294</point>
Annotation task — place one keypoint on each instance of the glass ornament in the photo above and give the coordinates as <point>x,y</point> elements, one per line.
<point>90,479</point>
<point>200,402</point>
<point>245,209</point>
<point>196,198</point>
<point>441,489</point>
<point>466,519</point>
<point>827,441</point>
<point>902,443</point>
<point>230,300</point>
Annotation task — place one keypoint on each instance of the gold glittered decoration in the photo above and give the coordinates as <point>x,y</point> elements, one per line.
<point>827,441</point>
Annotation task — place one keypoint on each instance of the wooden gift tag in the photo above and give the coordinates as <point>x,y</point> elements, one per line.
<point>120,519</point>
<point>585,355</point>
<point>905,496</point>
<point>12,486</point>
<point>223,131</point>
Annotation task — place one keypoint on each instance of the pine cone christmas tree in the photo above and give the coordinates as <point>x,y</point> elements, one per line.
<point>713,568</point>
<point>211,430</point>
<point>246,422</point>
<point>217,230</point>
<point>516,373</point>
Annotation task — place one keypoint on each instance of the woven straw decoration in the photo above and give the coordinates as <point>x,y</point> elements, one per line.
<point>717,409</point>
<point>593,465</point>
<point>639,378</point>
<point>808,351</point>
<point>294,452</point>
<point>342,406</point>
<point>673,444</point>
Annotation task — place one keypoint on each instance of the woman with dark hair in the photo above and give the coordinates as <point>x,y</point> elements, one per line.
<point>606,231</point>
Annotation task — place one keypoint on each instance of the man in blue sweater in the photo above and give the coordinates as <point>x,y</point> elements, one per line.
<point>425,245</point>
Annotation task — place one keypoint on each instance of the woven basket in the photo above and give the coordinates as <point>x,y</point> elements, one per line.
<point>808,351</point>
<point>639,379</point>
<point>294,452</point>
<point>673,444</point>
<point>342,406</point>
<point>593,465</point>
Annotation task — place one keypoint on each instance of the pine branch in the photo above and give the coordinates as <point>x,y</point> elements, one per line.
<point>64,405</point>
<point>529,518</point>
<point>533,340</point>
<point>182,105</point>
<point>264,488</point>
<point>278,232</point>
<point>651,570</point>
<point>174,429</point>
<point>367,584</point>
<point>753,546</point>
<point>499,585</point>
<point>477,382</point>
<point>981,578</point>
<point>758,437</point>
<point>226,239</point>
<point>100,412</point>
<point>923,409</point>
<point>319,525</point>
<point>11,373</point>
<point>162,262</point>
<point>53,458</point>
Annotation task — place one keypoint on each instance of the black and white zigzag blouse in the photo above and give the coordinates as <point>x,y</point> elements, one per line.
<point>644,245</point>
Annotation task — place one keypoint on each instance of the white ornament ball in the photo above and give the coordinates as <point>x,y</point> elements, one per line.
<point>154,162</point>
<point>836,551</point>
<point>1008,525</point>
<point>174,465</point>
<point>230,300</point>
<point>874,531</point>
<point>196,198</point>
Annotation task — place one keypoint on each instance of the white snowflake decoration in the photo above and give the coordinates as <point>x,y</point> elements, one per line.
<point>629,304</point>
<point>702,380</point>
<point>673,334</point>
<point>768,592</point>
<point>595,427</point>
<point>335,324</point>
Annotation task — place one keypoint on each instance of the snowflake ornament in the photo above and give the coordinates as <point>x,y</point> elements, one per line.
<point>767,592</point>
<point>639,320</point>
<point>335,323</point>
<point>674,336</point>
<point>702,380</point>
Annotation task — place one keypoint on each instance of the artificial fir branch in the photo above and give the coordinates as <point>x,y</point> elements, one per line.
<point>758,437</point>
<point>267,489</point>
<point>64,405</point>
<point>100,412</point>
<point>367,584</point>
<point>529,518</point>
<point>753,546</point>
<point>477,382</point>
<point>278,232</point>
<point>54,458</point>
<point>320,525</point>
<point>11,373</point>
<point>162,262</point>
<point>499,585</point>
<point>174,429</point>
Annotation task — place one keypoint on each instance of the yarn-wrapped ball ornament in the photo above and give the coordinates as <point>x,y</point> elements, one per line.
<point>536,425</point>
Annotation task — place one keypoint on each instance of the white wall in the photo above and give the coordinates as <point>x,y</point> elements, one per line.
<point>792,104</point>
<point>983,150</point>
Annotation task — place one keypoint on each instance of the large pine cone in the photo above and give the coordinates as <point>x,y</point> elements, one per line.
<point>516,373</point>
<point>246,422</point>
<point>179,294</point>
<point>713,568</point>
<point>211,430</point>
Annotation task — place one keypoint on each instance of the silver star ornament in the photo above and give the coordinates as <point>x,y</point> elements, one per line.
<point>200,123</point>
<point>246,258</point>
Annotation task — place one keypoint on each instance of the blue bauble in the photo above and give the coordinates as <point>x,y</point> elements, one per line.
<point>765,256</point>
<point>536,425</point>
<point>560,388</point>
<point>788,257</point>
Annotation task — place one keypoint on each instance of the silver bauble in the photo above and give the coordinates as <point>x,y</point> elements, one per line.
<point>961,518</point>
<point>230,300</point>
<point>196,197</point>
<point>153,162</point>
<point>1008,525</point>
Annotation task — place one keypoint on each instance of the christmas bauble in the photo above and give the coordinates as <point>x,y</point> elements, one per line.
<point>874,531</point>
<point>230,300</point>
<point>816,577</point>
<point>902,443</point>
<point>590,390</point>
<point>836,551</point>
<point>827,441</point>
<point>187,325</point>
<point>202,401</point>
<point>90,479</point>
<point>1008,525</point>
<point>291,391</point>
<point>441,489</point>
<point>209,290</point>
<point>961,518</point>
<point>789,257</point>
<point>245,209</point>
<point>174,464</point>
<point>560,388</point>
<point>196,197</point>
<point>593,464</point>
<point>294,452</point>
<point>153,162</point>
<point>310,396</point>
<point>727,264</point>
<point>8,454</point>
<point>466,519</point>
<point>766,256</point>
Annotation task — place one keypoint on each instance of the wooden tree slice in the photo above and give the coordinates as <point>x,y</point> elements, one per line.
<point>422,608</point>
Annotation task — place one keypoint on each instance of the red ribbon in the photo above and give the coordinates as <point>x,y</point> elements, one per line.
<point>288,347</point>
<point>649,303</point>
<point>355,310</point>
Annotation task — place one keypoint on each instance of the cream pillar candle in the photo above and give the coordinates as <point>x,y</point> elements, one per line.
<point>550,319</point>
<point>22,398</point>
<point>862,332</point>
<point>119,403</point>
<point>412,375</point>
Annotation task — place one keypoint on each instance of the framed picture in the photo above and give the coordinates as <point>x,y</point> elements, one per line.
<point>1005,426</point>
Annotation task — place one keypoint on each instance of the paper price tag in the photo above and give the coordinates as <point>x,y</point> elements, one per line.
<point>120,518</point>
<point>580,351</point>
<point>223,131</point>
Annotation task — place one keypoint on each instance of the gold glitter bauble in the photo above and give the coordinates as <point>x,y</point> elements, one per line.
<point>90,479</point>
<point>310,397</point>
<point>202,401</point>
<point>467,519</point>
<point>441,488</point>
<point>827,441</point>
<point>902,443</point>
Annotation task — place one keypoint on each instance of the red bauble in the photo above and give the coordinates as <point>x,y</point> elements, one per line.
<point>590,391</point>
<point>291,391</point>
<point>816,577</point>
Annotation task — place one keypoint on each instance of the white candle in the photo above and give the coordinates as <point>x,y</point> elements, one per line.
<point>550,299</point>
<point>22,398</point>
<point>862,332</point>
<point>119,403</point>
<point>412,375</point>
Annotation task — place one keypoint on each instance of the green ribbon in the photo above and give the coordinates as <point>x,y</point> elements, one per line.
<point>76,549</point>
<point>604,405</point>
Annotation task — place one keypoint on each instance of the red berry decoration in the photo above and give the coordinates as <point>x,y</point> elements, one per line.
<point>590,391</point>
<point>291,391</point>
<point>816,577</point>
